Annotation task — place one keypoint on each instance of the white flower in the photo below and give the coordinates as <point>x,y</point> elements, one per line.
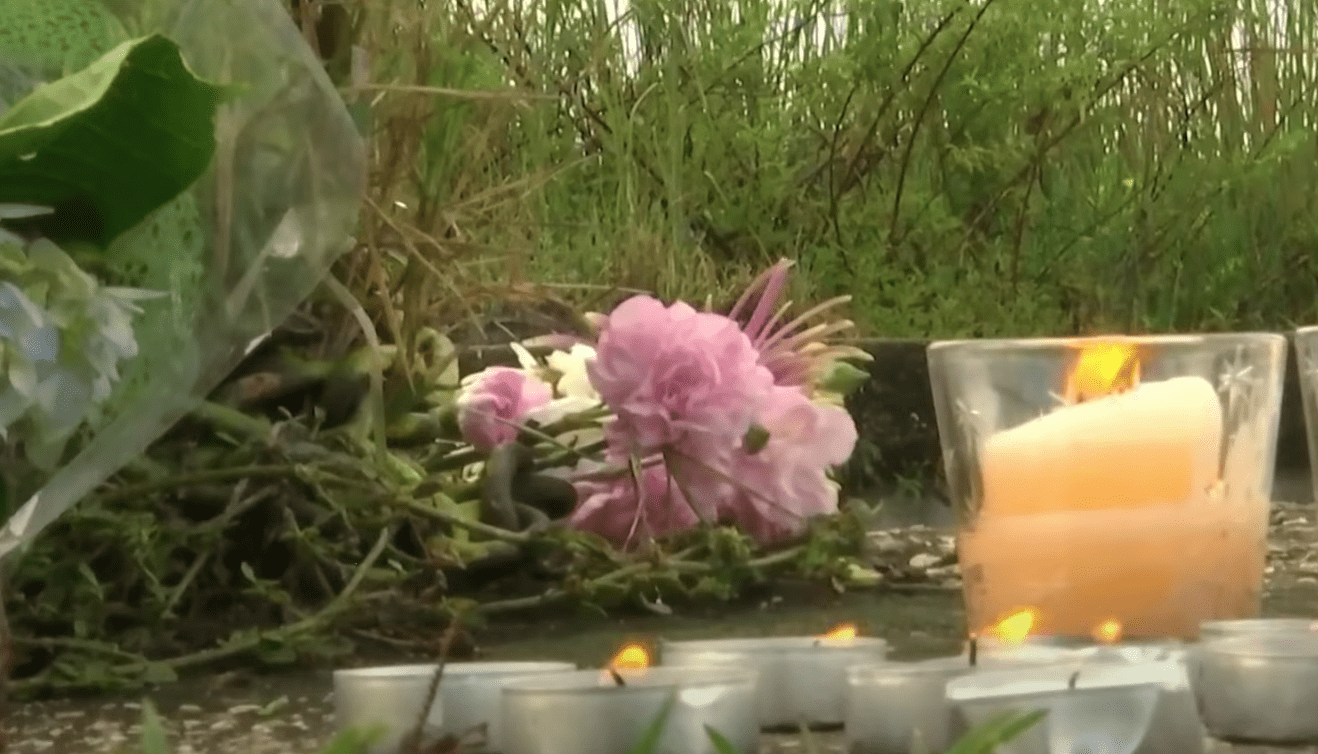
<point>573,381</point>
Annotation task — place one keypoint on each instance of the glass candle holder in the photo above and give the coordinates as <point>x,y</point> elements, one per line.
<point>1306,358</point>
<point>1114,483</point>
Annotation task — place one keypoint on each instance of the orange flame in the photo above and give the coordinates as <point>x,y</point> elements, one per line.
<point>1102,369</point>
<point>1015,627</point>
<point>631,656</point>
<point>842,632</point>
<point>1108,632</point>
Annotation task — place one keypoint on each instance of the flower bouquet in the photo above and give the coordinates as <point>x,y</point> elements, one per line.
<point>671,418</point>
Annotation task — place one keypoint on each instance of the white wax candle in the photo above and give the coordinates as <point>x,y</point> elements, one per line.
<point>1069,500</point>
<point>890,704</point>
<point>802,678</point>
<point>587,712</point>
<point>472,694</point>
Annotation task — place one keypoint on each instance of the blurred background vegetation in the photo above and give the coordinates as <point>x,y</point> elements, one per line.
<point>963,169</point>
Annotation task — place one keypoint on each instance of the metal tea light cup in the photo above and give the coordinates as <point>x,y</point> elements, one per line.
<point>388,699</point>
<point>802,679</point>
<point>588,712</point>
<point>1259,688</point>
<point>1222,629</point>
<point>1062,454</point>
<point>472,695</point>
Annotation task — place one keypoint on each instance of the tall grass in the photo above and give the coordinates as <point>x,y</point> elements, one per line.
<point>962,168</point>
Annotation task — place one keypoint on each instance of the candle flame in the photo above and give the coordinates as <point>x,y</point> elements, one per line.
<point>1102,369</point>
<point>631,656</point>
<point>1108,632</point>
<point>844,631</point>
<point>1015,627</point>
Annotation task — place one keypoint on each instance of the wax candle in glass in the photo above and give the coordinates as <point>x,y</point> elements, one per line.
<point>1106,479</point>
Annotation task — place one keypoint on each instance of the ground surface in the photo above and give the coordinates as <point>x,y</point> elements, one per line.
<point>919,612</point>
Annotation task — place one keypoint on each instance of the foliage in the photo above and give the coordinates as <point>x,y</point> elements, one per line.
<point>988,737</point>
<point>116,140</point>
<point>962,168</point>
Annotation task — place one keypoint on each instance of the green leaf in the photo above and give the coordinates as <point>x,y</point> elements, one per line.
<point>159,672</point>
<point>721,744</point>
<point>154,740</point>
<point>353,740</point>
<point>649,740</point>
<point>988,737</point>
<point>843,378</point>
<point>118,139</point>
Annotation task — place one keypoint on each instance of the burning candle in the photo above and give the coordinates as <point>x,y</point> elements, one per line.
<point>472,695</point>
<point>388,700</point>
<point>608,712</point>
<point>1104,708</point>
<point>1068,501</point>
<point>802,678</point>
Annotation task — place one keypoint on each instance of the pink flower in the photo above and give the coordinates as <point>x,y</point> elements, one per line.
<point>786,481</point>
<point>676,378</point>
<point>627,513</point>
<point>495,402</point>
<point>795,352</point>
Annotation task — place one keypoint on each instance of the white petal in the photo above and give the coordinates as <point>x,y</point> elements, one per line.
<point>524,357</point>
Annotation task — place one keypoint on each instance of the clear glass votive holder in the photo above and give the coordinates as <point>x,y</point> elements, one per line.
<point>1110,480</point>
<point>1306,359</point>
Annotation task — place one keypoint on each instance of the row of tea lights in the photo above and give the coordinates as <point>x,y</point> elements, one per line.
<point>1250,681</point>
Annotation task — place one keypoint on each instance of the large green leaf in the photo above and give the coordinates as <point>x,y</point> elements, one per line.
<point>108,145</point>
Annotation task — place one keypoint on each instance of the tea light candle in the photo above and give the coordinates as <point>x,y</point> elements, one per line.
<point>389,699</point>
<point>892,704</point>
<point>1258,688</point>
<point>1218,629</point>
<point>472,695</point>
<point>588,712</point>
<point>1103,708</point>
<point>802,678</point>
<point>1175,726</point>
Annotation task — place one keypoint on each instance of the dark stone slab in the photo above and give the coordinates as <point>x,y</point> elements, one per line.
<point>898,443</point>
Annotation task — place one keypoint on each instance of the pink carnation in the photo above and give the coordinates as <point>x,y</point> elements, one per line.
<point>677,378</point>
<point>786,481</point>
<point>626,513</point>
<point>495,403</point>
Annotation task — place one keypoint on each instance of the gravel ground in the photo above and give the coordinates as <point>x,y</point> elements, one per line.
<point>293,714</point>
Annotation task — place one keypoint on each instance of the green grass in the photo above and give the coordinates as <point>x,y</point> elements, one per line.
<point>986,168</point>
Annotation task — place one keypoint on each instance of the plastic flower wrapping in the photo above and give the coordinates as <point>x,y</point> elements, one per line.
<point>673,417</point>
<point>175,177</point>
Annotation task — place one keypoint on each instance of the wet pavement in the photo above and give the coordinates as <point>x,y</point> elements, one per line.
<point>293,713</point>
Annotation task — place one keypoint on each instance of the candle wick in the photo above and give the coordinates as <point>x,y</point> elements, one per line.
<point>617,677</point>
<point>974,650</point>
<point>1074,678</point>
